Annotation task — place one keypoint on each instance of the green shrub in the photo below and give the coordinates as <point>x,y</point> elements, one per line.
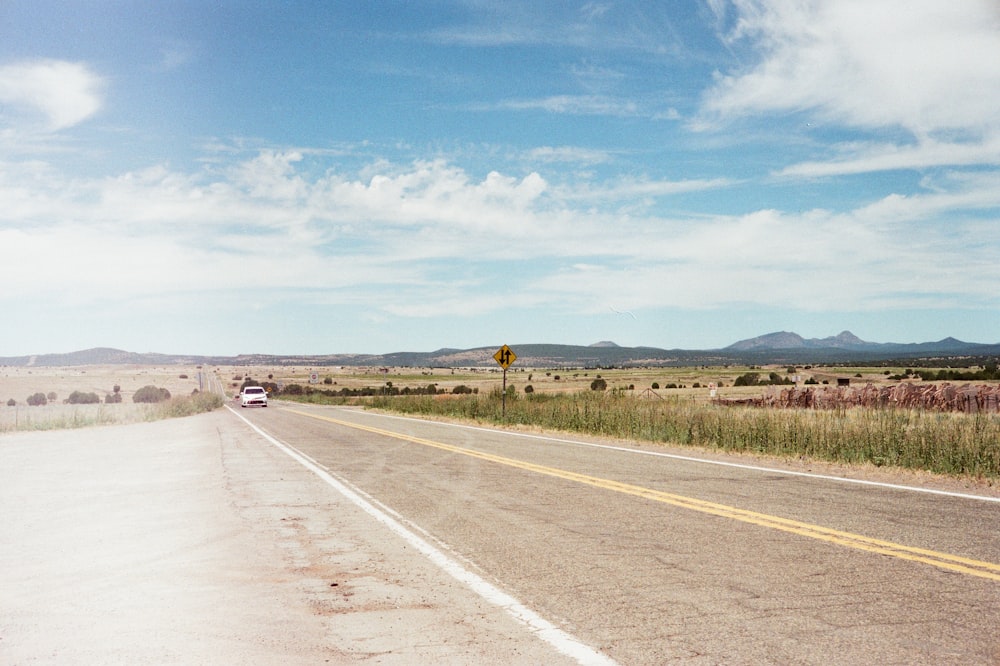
<point>12,402</point>
<point>81,398</point>
<point>37,399</point>
<point>150,393</point>
<point>112,398</point>
<point>598,385</point>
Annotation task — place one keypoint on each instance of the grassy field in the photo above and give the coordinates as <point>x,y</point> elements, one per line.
<point>637,405</point>
<point>953,444</point>
<point>689,382</point>
<point>17,383</point>
<point>630,408</point>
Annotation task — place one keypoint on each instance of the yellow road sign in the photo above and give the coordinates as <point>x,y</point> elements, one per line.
<point>505,356</point>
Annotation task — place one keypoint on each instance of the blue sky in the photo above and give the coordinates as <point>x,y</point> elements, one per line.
<point>324,177</point>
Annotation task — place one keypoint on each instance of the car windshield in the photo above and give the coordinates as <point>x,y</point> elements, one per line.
<point>254,390</point>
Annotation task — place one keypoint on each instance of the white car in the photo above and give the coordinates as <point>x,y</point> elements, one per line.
<point>253,395</point>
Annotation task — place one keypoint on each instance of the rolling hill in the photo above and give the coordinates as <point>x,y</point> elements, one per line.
<point>781,347</point>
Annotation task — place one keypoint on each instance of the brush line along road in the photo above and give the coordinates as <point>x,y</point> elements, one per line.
<point>650,558</point>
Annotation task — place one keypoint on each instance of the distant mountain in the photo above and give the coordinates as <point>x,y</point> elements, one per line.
<point>791,347</point>
<point>782,347</point>
<point>786,340</point>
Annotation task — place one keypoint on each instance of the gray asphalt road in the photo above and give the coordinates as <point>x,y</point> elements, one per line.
<point>197,541</point>
<point>654,559</point>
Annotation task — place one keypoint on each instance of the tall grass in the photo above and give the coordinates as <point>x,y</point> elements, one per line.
<point>175,407</point>
<point>957,444</point>
<point>36,418</point>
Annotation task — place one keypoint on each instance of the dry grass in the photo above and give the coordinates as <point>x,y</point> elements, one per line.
<point>542,380</point>
<point>954,444</point>
<point>18,383</point>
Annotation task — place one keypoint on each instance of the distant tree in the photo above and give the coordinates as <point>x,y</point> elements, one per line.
<point>655,385</point>
<point>37,399</point>
<point>151,393</point>
<point>81,398</point>
<point>52,396</point>
<point>598,385</point>
<point>776,379</point>
<point>12,402</point>
<point>112,398</point>
<point>529,388</point>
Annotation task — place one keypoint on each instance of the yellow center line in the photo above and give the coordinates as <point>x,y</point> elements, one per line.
<point>946,561</point>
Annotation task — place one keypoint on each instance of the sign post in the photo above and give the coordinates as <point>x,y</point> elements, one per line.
<point>505,356</point>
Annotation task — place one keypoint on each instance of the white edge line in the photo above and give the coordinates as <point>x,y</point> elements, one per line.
<point>674,456</point>
<point>557,638</point>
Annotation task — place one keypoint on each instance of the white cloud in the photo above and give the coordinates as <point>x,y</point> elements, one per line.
<point>64,93</point>
<point>638,189</point>
<point>927,66</point>
<point>568,154</point>
<point>581,105</point>
<point>817,261</point>
<point>429,237</point>
<point>864,158</point>
<point>632,26</point>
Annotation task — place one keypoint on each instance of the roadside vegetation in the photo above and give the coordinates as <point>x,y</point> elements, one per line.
<point>691,406</point>
<point>946,443</point>
<point>83,410</point>
<point>669,405</point>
